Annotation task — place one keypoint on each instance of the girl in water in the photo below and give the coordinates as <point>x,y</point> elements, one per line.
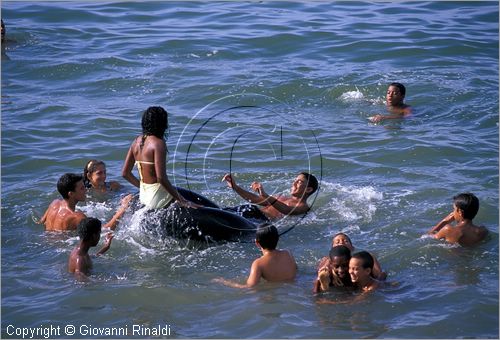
<point>149,152</point>
<point>94,177</point>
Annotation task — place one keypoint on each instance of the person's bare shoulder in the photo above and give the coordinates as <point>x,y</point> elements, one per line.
<point>449,233</point>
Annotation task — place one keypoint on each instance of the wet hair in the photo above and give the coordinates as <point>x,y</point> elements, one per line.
<point>90,167</point>
<point>312,182</point>
<point>401,87</point>
<point>88,227</point>
<point>468,203</point>
<point>342,234</point>
<point>67,183</point>
<point>340,251</point>
<point>267,235</point>
<point>366,259</point>
<point>154,122</point>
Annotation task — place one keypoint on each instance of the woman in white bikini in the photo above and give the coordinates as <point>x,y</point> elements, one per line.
<point>149,152</point>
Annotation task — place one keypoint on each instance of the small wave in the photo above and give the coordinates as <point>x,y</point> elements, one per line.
<point>350,203</point>
<point>352,95</point>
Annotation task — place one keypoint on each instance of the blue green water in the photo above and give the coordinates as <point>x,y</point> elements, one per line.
<point>77,75</point>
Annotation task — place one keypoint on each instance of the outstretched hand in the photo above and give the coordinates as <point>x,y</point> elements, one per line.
<point>229,180</point>
<point>109,237</point>
<point>126,201</point>
<point>376,118</point>
<point>258,188</point>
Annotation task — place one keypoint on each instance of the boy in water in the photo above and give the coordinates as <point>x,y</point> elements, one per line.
<point>303,186</point>
<point>274,265</point>
<point>335,271</point>
<point>361,269</point>
<point>89,230</point>
<point>465,232</point>
<point>61,215</point>
<point>395,104</point>
<point>343,239</point>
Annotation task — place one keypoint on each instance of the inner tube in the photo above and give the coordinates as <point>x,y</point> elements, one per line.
<point>209,223</point>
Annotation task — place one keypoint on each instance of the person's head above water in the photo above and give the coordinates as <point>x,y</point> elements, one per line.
<point>339,260</point>
<point>68,183</point>
<point>304,184</point>
<point>89,229</point>
<point>341,239</point>
<point>395,94</point>
<point>94,173</point>
<point>267,236</point>
<point>311,182</point>
<point>467,204</point>
<point>155,121</point>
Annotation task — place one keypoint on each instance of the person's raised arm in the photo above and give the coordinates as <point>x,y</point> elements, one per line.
<point>246,195</point>
<point>128,166</point>
<point>107,244</point>
<point>111,224</point>
<point>447,220</point>
<point>282,207</point>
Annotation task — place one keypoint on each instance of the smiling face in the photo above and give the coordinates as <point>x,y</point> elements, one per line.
<point>340,266</point>
<point>342,240</point>
<point>394,96</point>
<point>299,186</point>
<point>98,177</point>
<point>357,272</point>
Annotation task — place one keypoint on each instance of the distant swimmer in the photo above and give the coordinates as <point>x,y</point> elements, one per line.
<point>89,231</point>
<point>361,272</point>
<point>149,153</point>
<point>302,188</point>
<point>465,232</point>
<point>334,272</point>
<point>94,177</point>
<point>61,215</point>
<point>274,265</point>
<point>395,104</point>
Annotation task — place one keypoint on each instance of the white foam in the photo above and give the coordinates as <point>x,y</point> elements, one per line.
<point>352,95</point>
<point>350,203</point>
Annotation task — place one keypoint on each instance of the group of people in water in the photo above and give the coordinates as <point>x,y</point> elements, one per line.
<point>148,152</point>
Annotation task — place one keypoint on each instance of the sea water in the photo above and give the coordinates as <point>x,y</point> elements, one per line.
<point>263,90</point>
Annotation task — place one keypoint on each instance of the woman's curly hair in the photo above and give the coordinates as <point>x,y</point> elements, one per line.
<point>154,122</point>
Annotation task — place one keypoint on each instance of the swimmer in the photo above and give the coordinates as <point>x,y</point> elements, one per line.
<point>335,272</point>
<point>360,270</point>
<point>343,239</point>
<point>465,232</point>
<point>94,177</point>
<point>274,265</point>
<point>149,153</point>
<point>303,186</point>
<point>89,231</point>
<point>395,104</point>
<point>61,215</point>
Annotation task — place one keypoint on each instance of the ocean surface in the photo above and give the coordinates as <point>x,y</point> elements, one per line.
<point>263,90</point>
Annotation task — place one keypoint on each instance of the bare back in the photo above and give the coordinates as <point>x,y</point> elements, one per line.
<point>278,265</point>
<point>471,235</point>
<point>152,149</point>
